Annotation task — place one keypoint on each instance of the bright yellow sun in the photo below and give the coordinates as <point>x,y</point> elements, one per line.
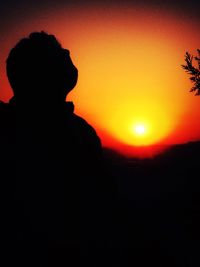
<point>145,123</point>
<point>139,129</point>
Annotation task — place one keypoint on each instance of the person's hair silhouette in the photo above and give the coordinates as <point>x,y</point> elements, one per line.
<point>38,68</point>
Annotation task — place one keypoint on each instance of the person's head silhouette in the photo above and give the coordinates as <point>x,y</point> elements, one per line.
<point>40,70</point>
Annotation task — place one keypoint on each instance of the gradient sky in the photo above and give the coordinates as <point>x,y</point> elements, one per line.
<point>131,86</point>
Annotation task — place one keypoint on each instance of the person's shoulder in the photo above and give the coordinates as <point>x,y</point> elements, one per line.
<point>7,121</point>
<point>3,106</point>
<point>83,123</point>
<point>86,129</point>
<point>5,110</point>
<point>78,123</point>
<point>83,133</point>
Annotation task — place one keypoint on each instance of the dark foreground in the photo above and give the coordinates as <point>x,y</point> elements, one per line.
<point>156,217</point>
<point>159,207</point>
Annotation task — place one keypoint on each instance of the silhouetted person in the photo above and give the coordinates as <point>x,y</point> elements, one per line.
<point>50,160</point>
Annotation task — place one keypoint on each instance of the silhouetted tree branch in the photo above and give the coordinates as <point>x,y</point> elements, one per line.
<point>193,70</point>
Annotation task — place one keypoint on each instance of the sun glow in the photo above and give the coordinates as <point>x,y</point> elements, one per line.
<point>131,87</point>
<point>144,124</point>
<point>139,129</point>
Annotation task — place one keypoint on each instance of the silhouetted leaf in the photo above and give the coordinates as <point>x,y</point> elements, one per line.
<point>193,71</point>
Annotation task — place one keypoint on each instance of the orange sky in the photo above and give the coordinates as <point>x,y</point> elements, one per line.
<point>129,71</point>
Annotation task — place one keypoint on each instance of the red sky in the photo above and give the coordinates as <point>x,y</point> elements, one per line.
<point>131,86</point>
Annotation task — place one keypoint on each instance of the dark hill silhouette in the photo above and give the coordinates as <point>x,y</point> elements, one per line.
<point>188,150</point>
<point>160,206</point>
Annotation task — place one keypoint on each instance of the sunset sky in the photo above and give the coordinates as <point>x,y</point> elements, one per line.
<point>131,86</point>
